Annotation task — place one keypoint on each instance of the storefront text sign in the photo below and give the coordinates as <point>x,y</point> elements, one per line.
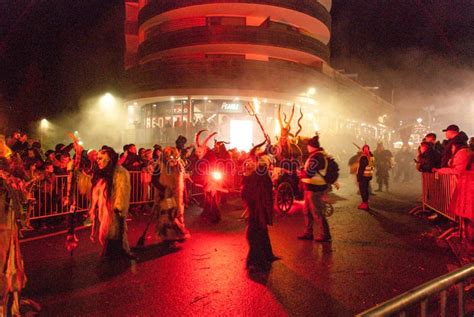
<point>231,107</point>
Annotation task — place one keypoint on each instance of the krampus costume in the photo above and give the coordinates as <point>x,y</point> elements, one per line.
<point>205,166</point>
<point>12,272</point>
<point>257,193</point>
<point>110,202</point>
<point>168,207</point>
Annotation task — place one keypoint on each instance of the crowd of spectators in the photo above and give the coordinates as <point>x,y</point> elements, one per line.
<point>45,171</point>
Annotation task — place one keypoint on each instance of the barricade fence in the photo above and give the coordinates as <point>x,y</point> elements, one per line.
<point>47,197</point>
<point>421,295</point>
<point>438,190</point>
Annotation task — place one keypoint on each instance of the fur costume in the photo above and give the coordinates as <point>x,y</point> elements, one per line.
<point>12,274</point>
<point>257,193</point>
<point>168,206</point>
<point>112,224</point>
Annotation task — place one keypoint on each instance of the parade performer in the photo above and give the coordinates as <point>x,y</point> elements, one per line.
<point>206,175</point>
<point>12,275</point>
<point>257,193</point>
<point>110,202</point>
<point>168,207</point>
<point>287,148</point>
<point>315,191</point>
<point>364,176</point>
<point>383,164</point>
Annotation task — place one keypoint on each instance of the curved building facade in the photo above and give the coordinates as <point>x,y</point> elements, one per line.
<point>195,63</point>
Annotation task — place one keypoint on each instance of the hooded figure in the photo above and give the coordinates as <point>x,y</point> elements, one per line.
<point>110,202</point>
<point>257,194</point>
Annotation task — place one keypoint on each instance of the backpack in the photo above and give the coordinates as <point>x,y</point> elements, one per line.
<point>332,170</point>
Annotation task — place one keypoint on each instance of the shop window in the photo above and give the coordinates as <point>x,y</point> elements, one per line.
<point>154,122</point>
<point>211,107</point>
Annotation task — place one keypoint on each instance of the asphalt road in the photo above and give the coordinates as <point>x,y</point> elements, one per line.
<point>374,256</point>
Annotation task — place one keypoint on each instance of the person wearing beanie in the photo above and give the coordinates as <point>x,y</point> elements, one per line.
<point>315,190</point>
<point>364,175</point>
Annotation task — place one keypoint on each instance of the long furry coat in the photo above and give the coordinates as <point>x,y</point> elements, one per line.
<point>111,223</point>
<point>170,221</point>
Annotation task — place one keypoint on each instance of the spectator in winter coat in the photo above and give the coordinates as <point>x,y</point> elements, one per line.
<point>458,162</point>
<point>427,158</point>
<point>453,136</point>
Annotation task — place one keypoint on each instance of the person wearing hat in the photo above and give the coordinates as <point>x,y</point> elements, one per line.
<point>453,135</point>
<point>315,189</point>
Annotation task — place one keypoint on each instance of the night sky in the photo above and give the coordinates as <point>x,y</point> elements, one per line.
<point>53,53</point>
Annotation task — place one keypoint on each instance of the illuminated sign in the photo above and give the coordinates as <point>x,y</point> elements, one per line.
<point>231,107</point>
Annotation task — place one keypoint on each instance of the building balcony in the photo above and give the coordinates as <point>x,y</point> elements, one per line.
<point>312,8</point>
<point>309,15</point>
<point>248,39</point>
<point>224,75</point>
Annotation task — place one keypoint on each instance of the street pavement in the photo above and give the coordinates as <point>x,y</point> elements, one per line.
<point>373,257</point>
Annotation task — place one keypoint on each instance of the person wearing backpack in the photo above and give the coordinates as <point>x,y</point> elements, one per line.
<point>364,176</point>
<point>315,189</point>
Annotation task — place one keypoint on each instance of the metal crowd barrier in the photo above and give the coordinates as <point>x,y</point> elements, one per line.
<point>142,189</point>
<point>421,295</point>
<point>438,190</point>
<point>47,197</point>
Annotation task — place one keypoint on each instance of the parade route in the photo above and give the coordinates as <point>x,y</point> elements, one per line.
<point>374,256</point>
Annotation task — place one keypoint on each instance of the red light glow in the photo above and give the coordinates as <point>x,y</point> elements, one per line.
<point>216,175</point>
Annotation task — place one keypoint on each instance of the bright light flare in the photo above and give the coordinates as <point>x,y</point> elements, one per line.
<point>107,102</point>
<point>316,127</point>
<point>44,124</point>
<point>216,175</point>
<point>241,134</point>
<point>256,104</point>
<point>419,120</point>
<point>311,91</point>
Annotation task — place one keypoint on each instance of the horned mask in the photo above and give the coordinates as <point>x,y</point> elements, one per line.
<point>203,148</point>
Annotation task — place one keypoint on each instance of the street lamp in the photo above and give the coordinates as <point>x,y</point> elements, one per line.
<point>107,101</point>
<point>44,124</point>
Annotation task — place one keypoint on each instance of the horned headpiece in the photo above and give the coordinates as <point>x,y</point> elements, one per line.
<point>202,148</point>
<point>286,125</point>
